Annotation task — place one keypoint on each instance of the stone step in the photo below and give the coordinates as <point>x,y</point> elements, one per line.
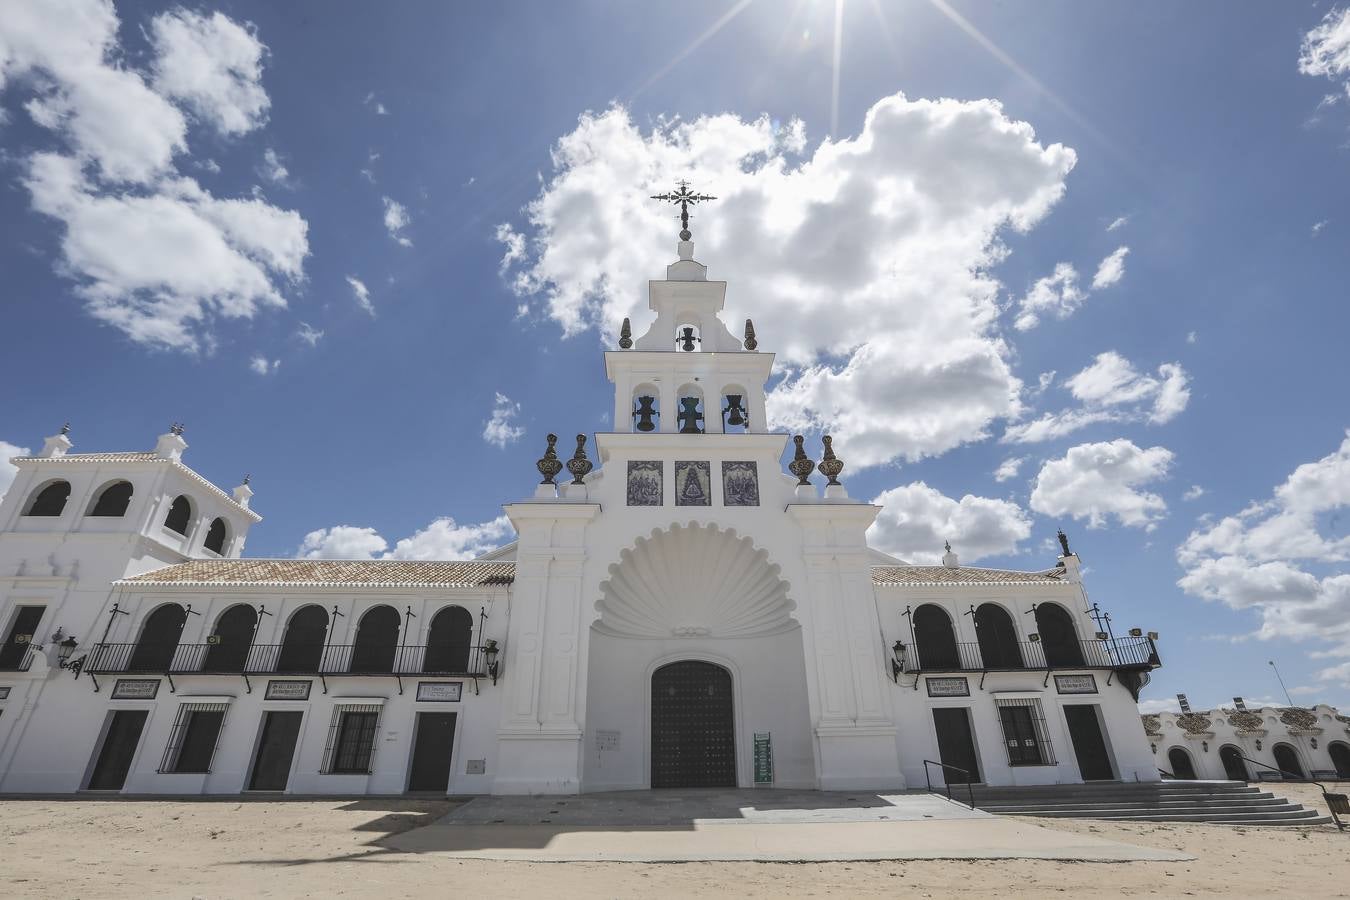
<point>1229,806</point>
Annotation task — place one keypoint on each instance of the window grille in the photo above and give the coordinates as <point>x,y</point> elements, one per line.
<point>1024,733</point>
<point>197,726</point>
<point>351,739</point>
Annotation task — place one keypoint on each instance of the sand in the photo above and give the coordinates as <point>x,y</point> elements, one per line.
<point>214,849</point>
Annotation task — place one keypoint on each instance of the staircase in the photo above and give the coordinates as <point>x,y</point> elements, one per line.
<point>1218,802</point>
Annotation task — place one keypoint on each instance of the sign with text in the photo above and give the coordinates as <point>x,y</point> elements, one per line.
<point>288,690</point>
<point>763,758</point>
<point>1075,684</point>
<point>135,689</point>
<point>440,691</point>
<point>947,687</point>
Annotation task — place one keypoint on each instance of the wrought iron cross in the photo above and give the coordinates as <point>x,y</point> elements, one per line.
<point>685,199</point>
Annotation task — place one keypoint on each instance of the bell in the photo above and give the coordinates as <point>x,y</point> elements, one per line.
<point>643,412</point>
<point>689,416</point>
<point>735,412</point>
<point>686,339</point>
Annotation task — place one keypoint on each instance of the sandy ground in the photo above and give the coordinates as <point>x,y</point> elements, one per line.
<point>216,849</point>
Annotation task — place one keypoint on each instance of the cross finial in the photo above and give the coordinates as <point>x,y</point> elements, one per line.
<point>176,428</point>
<point>685,199</point>
<point>247,476</point>
<point>65,429</point>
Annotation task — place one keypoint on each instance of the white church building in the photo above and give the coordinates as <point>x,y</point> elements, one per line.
<point>677,611</point>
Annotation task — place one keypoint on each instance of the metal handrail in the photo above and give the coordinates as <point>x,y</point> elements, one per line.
<point>283,659</point>
<point>1166,774</point>
<point>969,790</point>
<point>970,656</point>
<point>1337,819</point>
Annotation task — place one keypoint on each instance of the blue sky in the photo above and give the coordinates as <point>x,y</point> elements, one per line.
<point>371,253</point>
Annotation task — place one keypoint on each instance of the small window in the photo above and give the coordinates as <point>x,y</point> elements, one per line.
<point>215,537</point>
<point>193,739</point>
<point>50,501</point>
<point>180,513</point>
<point>352,742</point>
<point>1024,733</point>
<point>15,653</point>
<point>113,500</point>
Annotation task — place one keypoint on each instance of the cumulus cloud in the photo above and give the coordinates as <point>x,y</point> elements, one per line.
<point>396,220</point>
<point>443,539</point>
<point>309,334</point>
<point>1111,270</point>
<point>362,294</point>
<point>1102,481</point>
<point>1326,49</point>
<point>274,170</point>
<point>916,520</point>
<point>150,251</point>
<point>1056,294</point>
<point>263,366</point>
<point>7,469</point>
<point>848,245</point>
<point>1111,389</point>
<point>1194,492</point>
<point>499,428</point>
<point>1007,470</point>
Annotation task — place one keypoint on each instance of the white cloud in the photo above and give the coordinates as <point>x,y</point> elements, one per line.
<point>1102,480</point>
<point>263,366</point>
<point>1159,705</point>
<point>208,165</point>
<point>1318,226</point>
<point>213,65</point>
<point>1007,470</point>
<point>1119,222</point>
<point>274,170</point>
<point>499,429</point>
<point>916,520</point>
<point>850,244</point>
<point>395,220</point>
<point>1194,492</point>
<point>1111,270</point>
<point>362,294</point>
<point>375,104</point>
<point>1326,49</point>
<point>1191,337</point>
<point>443,539</point>
<point>1111,390</point>
<point>309,334</point>
<point>7,469</point>
<point>1056,294</point>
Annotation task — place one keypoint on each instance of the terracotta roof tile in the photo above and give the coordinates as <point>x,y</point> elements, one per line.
<point>929,575</point>
<point>329,572</point>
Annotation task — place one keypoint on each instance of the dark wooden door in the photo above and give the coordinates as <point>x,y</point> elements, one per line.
<point>276,747</point>
<point>431,752</point>
<point>956,744</point>
<point>1094,763</point>
<point>119,746</point>
<point>693,728</point>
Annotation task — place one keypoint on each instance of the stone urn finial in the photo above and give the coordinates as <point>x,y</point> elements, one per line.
<point>801,464</point>
<point>831,465</point>
<point>626,335</point>
<point>549,465</point>
<point>750,342</point>
<point>579,465</point>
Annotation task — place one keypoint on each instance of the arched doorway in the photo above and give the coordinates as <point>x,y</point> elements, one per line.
<point>1180,761</point>
<point>234,635</point>
<point>693,726</point>
<point>1059,640</point>
<point>302,647</point>
<point>449,641</point>
<point>376,641</point>
<point>159,639</point>
<point>1340,758</point>
<point>998,638</point>
<point>1286,758</point>
<point>935,641</point>
<point>1234,769</point>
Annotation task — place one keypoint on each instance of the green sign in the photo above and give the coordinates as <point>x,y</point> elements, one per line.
<point>763,758</point>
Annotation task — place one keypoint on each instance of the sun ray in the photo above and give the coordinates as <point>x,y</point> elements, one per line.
<point>834,77</point>
<point>697,42</point>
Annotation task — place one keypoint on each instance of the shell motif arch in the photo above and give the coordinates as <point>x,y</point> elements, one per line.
<point>694,581</point>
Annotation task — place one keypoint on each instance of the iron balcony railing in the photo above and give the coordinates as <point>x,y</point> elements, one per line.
<point>287,659</point>
<point>1120,653</point>
<point>20,661</point>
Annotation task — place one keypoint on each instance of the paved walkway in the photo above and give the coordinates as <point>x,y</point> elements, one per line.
<point>762,825</point>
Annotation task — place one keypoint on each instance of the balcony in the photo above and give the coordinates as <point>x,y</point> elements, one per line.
<point>16,658</point>
<point>1121,653</point>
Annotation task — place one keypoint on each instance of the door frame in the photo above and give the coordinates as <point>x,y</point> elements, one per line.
<point>432,707</point>
<point>744,777</point>
<point>1101,728</point>
<point>974,735</point>
<point>104,728</point>
<point>270,707</point>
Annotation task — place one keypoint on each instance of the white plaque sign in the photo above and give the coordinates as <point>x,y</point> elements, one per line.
<point>440,691</point>
<point>288,690</point>
<point>606,740</point>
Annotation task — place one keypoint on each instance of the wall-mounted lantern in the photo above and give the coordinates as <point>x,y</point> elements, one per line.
<point>897,660</point>
<point>1313,741</point>
<point>64,645</point>
<point>490,653</point>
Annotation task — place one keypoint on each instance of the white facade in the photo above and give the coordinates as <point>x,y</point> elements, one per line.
<point>1265,744</point>
<point>678,614</point>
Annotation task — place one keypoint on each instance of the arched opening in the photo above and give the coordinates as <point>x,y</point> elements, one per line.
<point>376,641</point>
<point>449,641</point>
<point>180,514</point>
<point>1180,761</point>
<point>233,636</point>
<point>158,642</point>
<point>1059,639</point>
<point>997,637</point>
<point>1340,758</point>
<point>302,645</point>
<point>735,413</point>
<point>646,408</point>
<point>693,726</point>
<point>934,638</point>
<point>688,337</point>
<point>215,537</point>
<point>1234,768</point>
<point>690,414</point>
<point>1286,759</point>
<point>50,500</point>
<point>113,500</point>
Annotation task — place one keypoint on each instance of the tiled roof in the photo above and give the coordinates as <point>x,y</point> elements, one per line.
<point>142,456</point>
<point>929,575</point>
<point>329,573</point>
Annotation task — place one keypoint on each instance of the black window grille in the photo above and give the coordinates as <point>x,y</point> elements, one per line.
<point>351,740</point>
<point>1024,733</point>
<point>194,738</point>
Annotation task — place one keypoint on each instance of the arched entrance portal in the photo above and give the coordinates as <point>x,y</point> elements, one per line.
<point>1340,758</point>
<point>693,726</point>
<point>1233,765</point>
<point>1180,761</point>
